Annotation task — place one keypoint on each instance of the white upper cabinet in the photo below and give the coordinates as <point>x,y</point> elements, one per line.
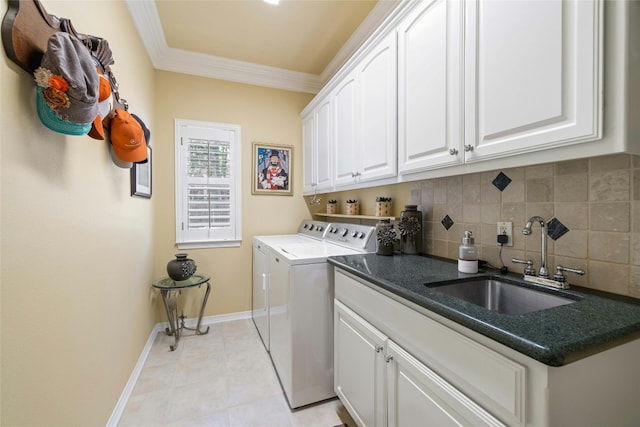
<point>447,87</point>
<point>324,139</point>
<point>430,61</point>
<point>532,76</point>
<point>377,123</point>
<point>494,79</point>
<point>364,105</point>
<point>317,137</point>
<point>345,138</point>
<point>308,146</point>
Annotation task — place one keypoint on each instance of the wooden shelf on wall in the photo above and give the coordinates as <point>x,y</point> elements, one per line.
<point>392,218</point>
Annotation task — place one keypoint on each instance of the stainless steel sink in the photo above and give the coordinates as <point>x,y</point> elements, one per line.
<point>501,296</point>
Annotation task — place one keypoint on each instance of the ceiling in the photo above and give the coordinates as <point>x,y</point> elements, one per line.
<point>297,45</point>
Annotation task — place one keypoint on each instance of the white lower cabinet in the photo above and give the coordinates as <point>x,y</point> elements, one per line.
<point>400,365</point>
<point>381,384</point>
<point>359,367</point>
<point>418,396</point>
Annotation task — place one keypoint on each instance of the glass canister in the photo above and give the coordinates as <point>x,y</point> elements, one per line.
<point>410,226</point>
<point>385,237</point>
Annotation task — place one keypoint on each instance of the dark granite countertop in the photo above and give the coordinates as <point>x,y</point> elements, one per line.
<point>554,336</point>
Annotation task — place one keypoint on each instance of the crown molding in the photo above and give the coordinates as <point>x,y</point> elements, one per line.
<point>147,21</point>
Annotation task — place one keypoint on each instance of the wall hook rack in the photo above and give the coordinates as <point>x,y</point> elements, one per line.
<point>26,29</point>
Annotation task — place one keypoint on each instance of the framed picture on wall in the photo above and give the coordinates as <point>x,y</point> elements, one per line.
<point>141,177</point>
<point>272,170</point>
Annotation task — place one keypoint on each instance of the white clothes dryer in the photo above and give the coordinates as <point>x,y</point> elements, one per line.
<point>308,231</point>
<point>301,294</point>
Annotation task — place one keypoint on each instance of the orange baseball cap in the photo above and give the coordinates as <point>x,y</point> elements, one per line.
<point>127,137</point>
<point>105,104</point>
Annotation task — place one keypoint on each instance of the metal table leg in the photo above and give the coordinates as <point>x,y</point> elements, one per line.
<point>204,303</point>
<point>176,323</point>
<point>170,299</point>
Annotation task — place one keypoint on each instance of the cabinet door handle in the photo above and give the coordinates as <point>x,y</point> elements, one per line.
<point>453,151</point>
<point>388,359</point>
<point>379,349</point>
<point>468,148</point>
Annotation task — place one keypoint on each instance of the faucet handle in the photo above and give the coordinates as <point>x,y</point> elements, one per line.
<point>560,277</point>
<point>528,270</point>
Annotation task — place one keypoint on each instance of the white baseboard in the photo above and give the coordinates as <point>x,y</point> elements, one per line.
<point>160,327</point>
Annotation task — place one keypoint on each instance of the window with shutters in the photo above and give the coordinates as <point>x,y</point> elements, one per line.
<point>207,184</point>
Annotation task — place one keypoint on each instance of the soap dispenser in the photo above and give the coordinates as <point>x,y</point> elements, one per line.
<point>467,254</point>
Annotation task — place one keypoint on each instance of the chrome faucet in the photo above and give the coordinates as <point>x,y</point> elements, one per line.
<point>558,280</point>
<point>543,231</point>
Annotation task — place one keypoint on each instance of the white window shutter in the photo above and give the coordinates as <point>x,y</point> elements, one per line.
<point>207,184</point>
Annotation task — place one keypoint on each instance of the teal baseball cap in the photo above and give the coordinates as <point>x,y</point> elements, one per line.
<point>68,86</point>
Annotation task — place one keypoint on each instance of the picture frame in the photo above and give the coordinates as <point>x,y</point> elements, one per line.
<point>268,179</point>
<point>141,177</point>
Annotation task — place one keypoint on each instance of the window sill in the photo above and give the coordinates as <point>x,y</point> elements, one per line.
<point>206,245</point>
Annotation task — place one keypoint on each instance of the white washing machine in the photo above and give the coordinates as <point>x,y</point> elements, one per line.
<point>308,231</point>
<point>301,293</point>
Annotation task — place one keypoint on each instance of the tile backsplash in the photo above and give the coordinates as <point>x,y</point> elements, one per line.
<point>597,200</point>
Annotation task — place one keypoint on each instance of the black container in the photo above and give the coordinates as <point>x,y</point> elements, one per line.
<point>410,229</point>
<point>181,268</point>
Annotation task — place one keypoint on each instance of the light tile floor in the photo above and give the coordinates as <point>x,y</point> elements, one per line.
<point>222,379</point>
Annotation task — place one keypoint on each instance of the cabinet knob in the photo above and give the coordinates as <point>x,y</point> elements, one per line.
<point>453,151</point>
<point>388,359</point>
<point>468,148</point>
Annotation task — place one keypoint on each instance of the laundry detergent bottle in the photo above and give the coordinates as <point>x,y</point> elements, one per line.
<point>467,254</point>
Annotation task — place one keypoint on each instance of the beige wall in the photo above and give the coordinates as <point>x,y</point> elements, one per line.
<point>76,249</point>
<point>265,115</point>
<point>399,193</point>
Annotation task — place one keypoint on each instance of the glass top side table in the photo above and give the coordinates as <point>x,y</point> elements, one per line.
<point>170,289</point>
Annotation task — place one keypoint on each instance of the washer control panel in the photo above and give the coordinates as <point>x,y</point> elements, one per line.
<point>357,236</point>
<point>312,228</point>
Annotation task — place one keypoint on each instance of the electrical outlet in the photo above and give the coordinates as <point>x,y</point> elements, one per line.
<point>506,228</point>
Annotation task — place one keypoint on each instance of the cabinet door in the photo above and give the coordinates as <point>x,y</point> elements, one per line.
<point>344,153</point>
<point>308,153</point>
<point>532,75</point>
<point>377,120</point>
<point>430,53</point>
<point>417,396</point>
<point>359,367</point>
<point>260,303</point>
<point>323,130</point>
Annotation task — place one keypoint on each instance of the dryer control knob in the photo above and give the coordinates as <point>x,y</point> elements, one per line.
<point>344,232</point>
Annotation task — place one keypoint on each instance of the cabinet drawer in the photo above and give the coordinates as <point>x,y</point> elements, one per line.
<point>491,379</point>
